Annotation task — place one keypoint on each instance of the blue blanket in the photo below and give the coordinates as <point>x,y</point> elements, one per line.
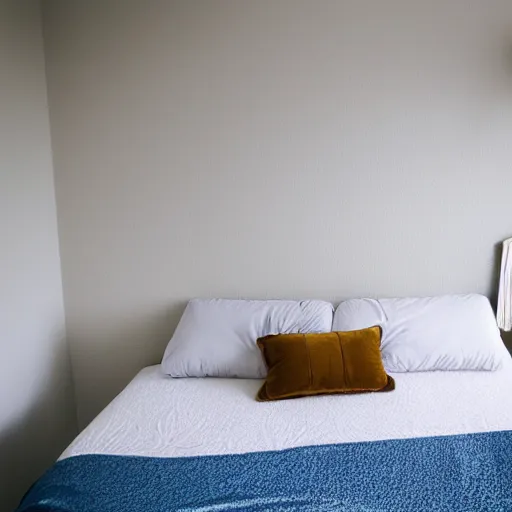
<point>452,473</point>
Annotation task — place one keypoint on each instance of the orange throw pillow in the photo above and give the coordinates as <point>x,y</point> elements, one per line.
<point>326,363</point>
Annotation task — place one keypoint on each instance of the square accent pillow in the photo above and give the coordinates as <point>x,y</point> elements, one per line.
<point>327,363</point>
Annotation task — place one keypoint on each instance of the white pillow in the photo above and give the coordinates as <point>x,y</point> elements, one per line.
<point>217,337</point>
<point>451,332</point>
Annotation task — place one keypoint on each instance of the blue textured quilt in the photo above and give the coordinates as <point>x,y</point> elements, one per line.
<point>453,473</point>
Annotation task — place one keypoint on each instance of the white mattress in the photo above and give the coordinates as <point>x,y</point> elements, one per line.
<point>164,417</point>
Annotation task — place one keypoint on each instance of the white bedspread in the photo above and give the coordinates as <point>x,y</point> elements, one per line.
<point>164,417</point>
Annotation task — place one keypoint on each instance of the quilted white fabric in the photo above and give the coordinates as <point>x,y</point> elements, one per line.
<point>450,332</point>
<point>163,417</point>
<point>217,337</point>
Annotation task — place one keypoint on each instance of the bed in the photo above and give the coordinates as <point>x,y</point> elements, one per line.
<point>440,441</point>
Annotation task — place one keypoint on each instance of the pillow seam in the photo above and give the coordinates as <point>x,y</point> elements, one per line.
<point>342,360</point>
<point>310,387</point>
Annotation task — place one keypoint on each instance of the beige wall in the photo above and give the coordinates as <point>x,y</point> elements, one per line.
<point>37,415</point>
<point>273,148</point>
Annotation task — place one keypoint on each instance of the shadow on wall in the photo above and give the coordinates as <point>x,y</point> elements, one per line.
<point>495,277</point>
<point>495,284</point>
<point>143,335</point>
<point>33,442</point>
<point>507,339</point>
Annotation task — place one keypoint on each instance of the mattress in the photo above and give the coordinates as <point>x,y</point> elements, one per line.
<point>157,416</point>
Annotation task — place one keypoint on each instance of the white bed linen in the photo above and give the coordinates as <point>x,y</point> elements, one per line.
<point>159,416</point>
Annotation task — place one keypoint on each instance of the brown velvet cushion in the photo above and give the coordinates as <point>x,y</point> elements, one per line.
<point>315,364</point>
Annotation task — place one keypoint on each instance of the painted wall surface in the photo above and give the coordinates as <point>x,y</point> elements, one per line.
<point>37,414</point>
<point>287,149</point>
